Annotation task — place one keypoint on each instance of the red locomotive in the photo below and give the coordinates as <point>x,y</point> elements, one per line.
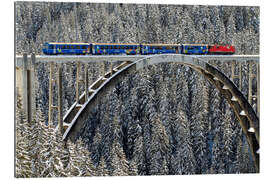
<point>221,49</point>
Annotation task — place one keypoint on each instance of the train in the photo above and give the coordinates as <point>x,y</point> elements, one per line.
<point>58,48</point>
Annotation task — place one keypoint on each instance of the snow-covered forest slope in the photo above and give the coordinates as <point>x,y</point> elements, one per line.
<point>165,119</point>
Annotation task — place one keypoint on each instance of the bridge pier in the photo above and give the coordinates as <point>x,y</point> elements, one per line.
<point>251,77</point>
<point>86,82</point>
<point>57,81</point>
<point>258,89</point>
<point>77,81</point>
<point>235,76</point>
<point>28,87</point>
<point>50,94</point>
<point>111,68</point>
<point>60,100</point>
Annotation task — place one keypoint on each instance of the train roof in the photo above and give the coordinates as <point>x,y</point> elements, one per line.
<point>161,44</point>
<point>195,44</point>
<point>68,43</point>
<point>115,44</point>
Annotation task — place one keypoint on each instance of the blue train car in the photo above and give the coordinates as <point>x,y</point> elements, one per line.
<point>53,48</point>
<point>194,49</point>
<point>159,49</point>
<point>113,48</point>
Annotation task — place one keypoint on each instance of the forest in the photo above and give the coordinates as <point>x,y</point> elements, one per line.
<point>163,120</point>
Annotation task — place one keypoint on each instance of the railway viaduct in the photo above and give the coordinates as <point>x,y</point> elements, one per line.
<point>71,123</point>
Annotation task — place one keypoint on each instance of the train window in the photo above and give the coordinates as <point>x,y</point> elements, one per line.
<point>51,47</point>
<point>83,47</point>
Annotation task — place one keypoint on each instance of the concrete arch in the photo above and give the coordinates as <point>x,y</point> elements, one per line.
<point>246,116</point>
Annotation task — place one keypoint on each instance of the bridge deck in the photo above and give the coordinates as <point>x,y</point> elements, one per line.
<point>133,58</point>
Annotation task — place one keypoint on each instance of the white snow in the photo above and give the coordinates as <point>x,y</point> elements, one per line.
<point>251,129</point>
<point>225,87</point>
<point>233,98</point>
<point>242,113</point>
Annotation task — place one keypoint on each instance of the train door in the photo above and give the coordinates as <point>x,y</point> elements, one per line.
<point>177,49</point>
<point>54,49</point>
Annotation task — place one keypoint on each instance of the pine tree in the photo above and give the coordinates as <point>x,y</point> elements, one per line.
<point>138,157</point>
<point>95,147</point>
<point>86,165</point>
<point>159,148</point>
<point>23,156</point>
<point>218,164</point>
<point>119,162</point>
<point>102,168</point>
<point>229,137</point>
<point>183,162</point>
<point>75,161</point>
<point>197,128</point>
